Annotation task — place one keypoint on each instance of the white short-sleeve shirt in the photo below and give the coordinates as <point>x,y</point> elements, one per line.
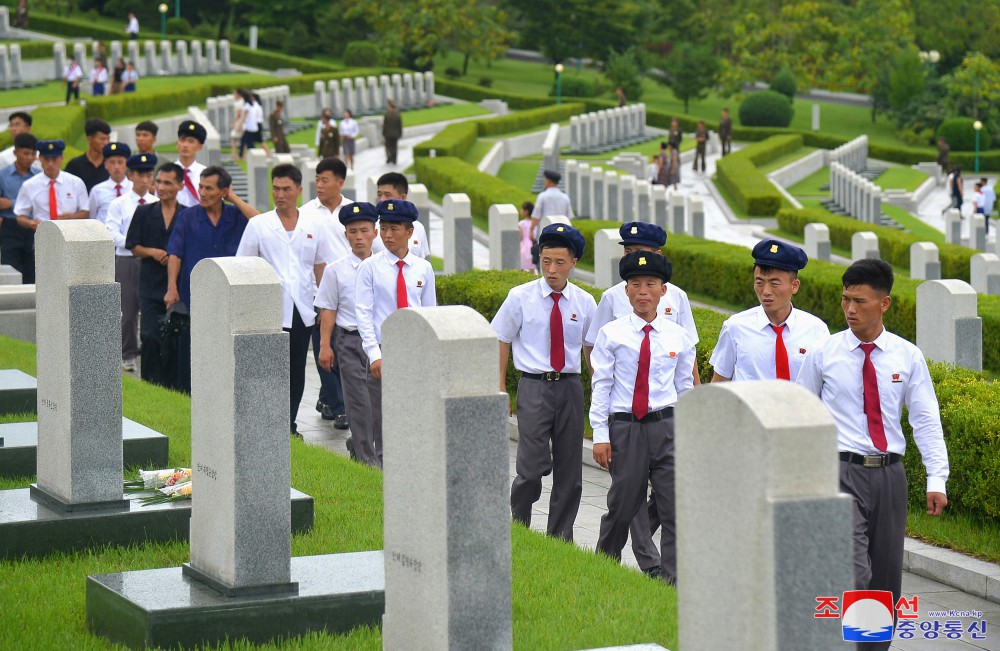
<point>614,304</point>
<point>33,199</point>
<point>102,194</point>
<point>746,346</point>
<point>119,218</point>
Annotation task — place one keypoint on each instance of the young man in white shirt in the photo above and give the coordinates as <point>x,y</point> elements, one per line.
<point>673,306</point>
<point>551,201</point>
<point>119,218</point>
<point>132,29</point>
<point>391,280</point>
<point>336,302</point>
<point>642,366</point>
<point>53,194</point>
<point>190,139</point>
<point>17,123</point>
<point>543,322</point>
<point>865,375</point>
<point>349,131</point>
<point>72,74</point>
<point>145,137</point>
<point>294,246</point>
<point>394,185</point>
<point>769,341</point>
<point>116,155</point>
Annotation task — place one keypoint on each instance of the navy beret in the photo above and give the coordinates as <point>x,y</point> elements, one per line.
<point>643,234</point>
<point>117,149</point>
<point>141,162</point>
<point>356,212</point>
<point>192,129</point>
<point>552,175</point>
<point>50,148</point>
<point>645,263</point>
<point>397,210</point>
<point>777,254</point>
<point>563,235</point>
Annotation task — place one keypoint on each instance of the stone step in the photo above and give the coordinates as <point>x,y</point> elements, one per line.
<point>538,186</point>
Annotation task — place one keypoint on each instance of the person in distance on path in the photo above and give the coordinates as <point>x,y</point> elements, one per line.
<point>543,322</point>
<point>865,375</point>
<point>769,341</point>
<point>642,366</point>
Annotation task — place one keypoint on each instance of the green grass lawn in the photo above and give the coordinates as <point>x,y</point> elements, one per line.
<point>901,178</point>
<point>737,211</point>
<point>810,186</point>
<point>913,224</point>
<point>520,174</point>
<point>786,159</point>
<point>559,590</point>
<point>477,151</point>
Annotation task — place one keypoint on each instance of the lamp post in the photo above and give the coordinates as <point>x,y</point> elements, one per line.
<point>978,126</point>
<point>163,19</point>
<point>177,8</point>
<point>559,70</point>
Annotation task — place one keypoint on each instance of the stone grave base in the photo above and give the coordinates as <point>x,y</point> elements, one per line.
<point>142,447</point>
<point>168,609</point>
<point>18,392</point>
<point>34,527</point>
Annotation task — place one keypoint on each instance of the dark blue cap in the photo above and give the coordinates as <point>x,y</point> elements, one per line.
<point>397,210</point>
<point>552,175</point>
<point>117,149</point>
<point>192,129</point>
<point>563,235</point>
<point>141,162</point>
<point>645,263</point>
<point>356,212</point>
<point>50,148</point>
<point>777,254</point>
<point>643,234</point>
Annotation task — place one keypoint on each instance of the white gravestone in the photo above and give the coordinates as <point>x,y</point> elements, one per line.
<point>817,242</point>
<point>505,237</point>
<point>457,233</point>
<point>924,261</point>
<point>948,326</point>
<point>864,245</point>
<point>607,254</point>
<point>985,273</point>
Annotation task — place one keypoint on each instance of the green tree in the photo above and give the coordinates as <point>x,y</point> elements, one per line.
<point>974,87</point>
<point>411,32</point>
<point>624,69</point>
<point>691,71</point>
<point>479,31</point>
<point>578,28</point>
<point>906,79</point>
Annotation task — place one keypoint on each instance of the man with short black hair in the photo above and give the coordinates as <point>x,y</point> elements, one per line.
<point>190,139</point>
<point>145,137</point>
<point>116,155</point>
<point>89,166</point>
<point>17,123</point>
<point>865,375</point>
<point>550,393</point>
<point>393,185</point>
<point>295,246</point>
<point>17,244</point>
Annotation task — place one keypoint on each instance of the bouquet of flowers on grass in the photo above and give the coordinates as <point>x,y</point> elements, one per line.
<point>169,484</point>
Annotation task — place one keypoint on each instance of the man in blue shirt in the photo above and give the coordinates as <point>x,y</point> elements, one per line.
<point>17,244</point>
<point>211,229</point>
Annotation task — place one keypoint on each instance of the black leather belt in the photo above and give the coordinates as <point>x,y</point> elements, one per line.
<point>651,417</point>
<point>551,376</point>
<point>871,460</point>
<point>345,331</point>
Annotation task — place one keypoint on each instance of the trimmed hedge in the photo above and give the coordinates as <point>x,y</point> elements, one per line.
<point>473,93</point>
<point>894,245</point>
<point>450,174</point>
<point>960,134</point>
<point>52,122</point>
<point>767,108</point>
<point>748,186</point>
<point>34,49</point>
<point>453,140</point>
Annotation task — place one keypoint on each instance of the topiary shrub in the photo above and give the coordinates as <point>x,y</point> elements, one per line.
<point>961,136</point>
<point>361,54</point>
<point>178,26</point>
<point>574,87</point>
<point>784,83</point>
<point>486,82</point>
<point>767,108</point>
<point>452,73</point>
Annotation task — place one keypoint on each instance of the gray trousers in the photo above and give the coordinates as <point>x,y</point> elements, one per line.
<point>127,275</point>
<point>641,453</point>
<point>879,528</point>
<point>375,400</point>
<point>549,412</point>
<point>357,401</point>
<point>643,547</point>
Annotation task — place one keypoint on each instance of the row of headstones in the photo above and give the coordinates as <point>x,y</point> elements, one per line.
<point>11,67</point>
<point>861,198</point>
<point>604,194</point>
<point>212,57</point>
<point>222,108</point>
<point>976,238</point>
<point>607,127</point>
<point>853,154</point>
<point>370,95</point>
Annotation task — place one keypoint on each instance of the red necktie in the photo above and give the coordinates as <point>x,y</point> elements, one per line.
<point>118,190</point>
<point>557,349</point>
<point>189,185</point>
<point>873,406</point>
<point>142,201</point>
<point>640,397</point>
<point>780,355</point>
<point>53,202</point>
<point>401,301</point>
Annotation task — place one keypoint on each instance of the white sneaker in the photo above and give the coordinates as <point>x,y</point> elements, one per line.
<point>128,364</point>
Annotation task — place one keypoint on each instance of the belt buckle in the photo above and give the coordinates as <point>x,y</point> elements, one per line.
<point>874,461</point>
<point>552,376</point>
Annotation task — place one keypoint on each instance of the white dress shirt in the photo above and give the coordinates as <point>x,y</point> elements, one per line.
<point>293,255</point>
<point>133,26</point>
<point>250,118</point>
<point>130,76</point>
<point>745,348</point>
<point>72,72</point>
<point>418,243</point>
<point>33,199</point>
<point>349,127</point>
<point>833,372</point>
<point>184,197</point>
<point>102,194</point>
<point>119,218</point>
<point>523,321</point>
<point>335,232</point>
<point>375,294</point>
<point>99,75</point>
<point>616,362</point>
<point>337,290</point>
<point>552,201</point>
<point>614,304</point>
